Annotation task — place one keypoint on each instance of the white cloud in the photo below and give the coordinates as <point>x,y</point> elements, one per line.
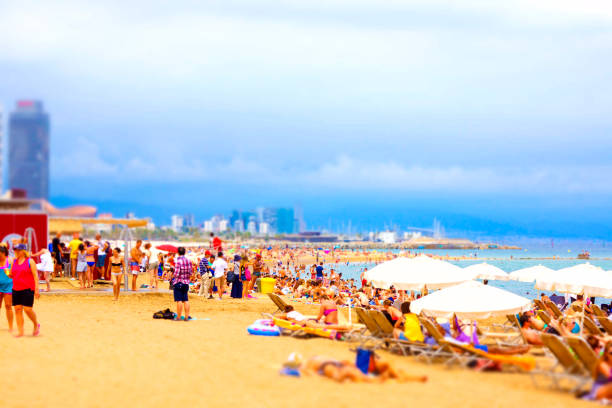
<point>343,174</point>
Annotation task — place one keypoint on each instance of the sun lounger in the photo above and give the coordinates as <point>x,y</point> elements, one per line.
<point>517,325</point>
<point>597,311</point>
<point>584,352</point>
<point>570,368</point>
<point>544,316</point>
<point>539,304</point>
<point>605,323</point>
<point>554,309</point>
<point>591,327</point>
<point>406,347</point>
<point>469,352</point>
<point>278,301</point>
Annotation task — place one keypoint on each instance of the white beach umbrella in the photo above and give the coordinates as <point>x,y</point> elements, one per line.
<point>530,274</point>
<point>487,271</point>
<point>585,278</point>
<point>417,273</point>
<point>470,300</point>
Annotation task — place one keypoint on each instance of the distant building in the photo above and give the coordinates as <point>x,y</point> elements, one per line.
<point>238,225</point>
<point>29,149</point>
<point>177,222</point>
<point>223,225</point>
<point>252,227</point>
<point>189,220</point>
<point>264,228</point>
<point>388,237</point>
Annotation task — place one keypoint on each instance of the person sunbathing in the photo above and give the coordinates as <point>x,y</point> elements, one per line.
<point>328,311</point>
<point>458,334</point>
<point>602,376</point>
<point>296,317</point>
<point>344,370</point>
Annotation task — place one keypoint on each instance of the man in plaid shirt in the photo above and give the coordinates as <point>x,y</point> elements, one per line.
<point>182,274</point>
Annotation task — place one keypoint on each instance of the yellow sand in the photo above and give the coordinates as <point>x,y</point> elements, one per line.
<point>94,352</point>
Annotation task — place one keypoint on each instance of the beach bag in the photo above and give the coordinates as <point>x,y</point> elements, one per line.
<point>158,315</point>
<point>230,277</point>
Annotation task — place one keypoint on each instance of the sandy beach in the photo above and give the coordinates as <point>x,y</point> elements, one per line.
<point>94,352</point>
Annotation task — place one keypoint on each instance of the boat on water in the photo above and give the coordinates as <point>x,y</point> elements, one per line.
<point>584,255</point>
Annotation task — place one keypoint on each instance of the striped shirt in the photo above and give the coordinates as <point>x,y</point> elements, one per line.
<point>182,270</point>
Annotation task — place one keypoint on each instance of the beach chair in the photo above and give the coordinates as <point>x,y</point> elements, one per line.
<point>278,301</point>
<point>584,352</point>
<point>554,309</point>
<point>571,369</point>
<point>539,304</point>
<point>591,327</point>
<point>445,348</point>
<point>597,311</point>
<point>385,331</point>
<point>605,323</point>
<point>469,352</point>
<point>517,325</point>
<point>544,316</point>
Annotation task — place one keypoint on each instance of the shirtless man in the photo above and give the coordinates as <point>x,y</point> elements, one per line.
<point>136,256</point>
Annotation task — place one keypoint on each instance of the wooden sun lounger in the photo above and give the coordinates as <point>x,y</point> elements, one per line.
<point>406,347</point>
<point>591,327</point>
<point>539,304</point>
<point>605,323</point>
<point>584,352</point>
<point>597,311</point>
<point>571,369</point>
<point>554,309</point>
<point>544,316</point>
<point>279,302</point>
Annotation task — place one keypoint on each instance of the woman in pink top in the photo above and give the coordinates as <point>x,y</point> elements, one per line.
<point>25,288</point>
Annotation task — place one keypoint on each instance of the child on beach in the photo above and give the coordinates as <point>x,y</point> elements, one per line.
<point>81,264</point>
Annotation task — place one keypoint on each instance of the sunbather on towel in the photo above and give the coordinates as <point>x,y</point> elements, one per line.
<point>345,370</point>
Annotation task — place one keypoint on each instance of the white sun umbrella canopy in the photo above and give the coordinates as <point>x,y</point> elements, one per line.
<point>531,274</point>
<point>417,273</point>
<point>487,271</point>
<point>585,278</point>
<point>470,300</point>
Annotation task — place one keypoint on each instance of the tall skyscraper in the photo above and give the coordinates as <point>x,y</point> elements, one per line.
<point>29,149</point>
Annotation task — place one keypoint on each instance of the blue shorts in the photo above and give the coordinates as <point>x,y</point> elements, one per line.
<point>180,292</point>
<point>101,261</point>
<point>402,336</point>
<point>6,287</point>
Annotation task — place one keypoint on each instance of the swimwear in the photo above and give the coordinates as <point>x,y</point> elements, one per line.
<point>91,263</point>
<point>329,311</point>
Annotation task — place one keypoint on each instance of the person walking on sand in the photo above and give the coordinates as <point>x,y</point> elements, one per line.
<point>183,269</point>
<point>219,266</point>
<point>25,288</point>
<point>136,256</point>
<point>6,286</point>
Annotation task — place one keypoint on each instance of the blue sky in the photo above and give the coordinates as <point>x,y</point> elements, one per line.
<point>489,115</point>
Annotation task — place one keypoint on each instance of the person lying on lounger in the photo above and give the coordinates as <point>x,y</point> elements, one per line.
<point>296,317</point>
<point>345,370</point>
